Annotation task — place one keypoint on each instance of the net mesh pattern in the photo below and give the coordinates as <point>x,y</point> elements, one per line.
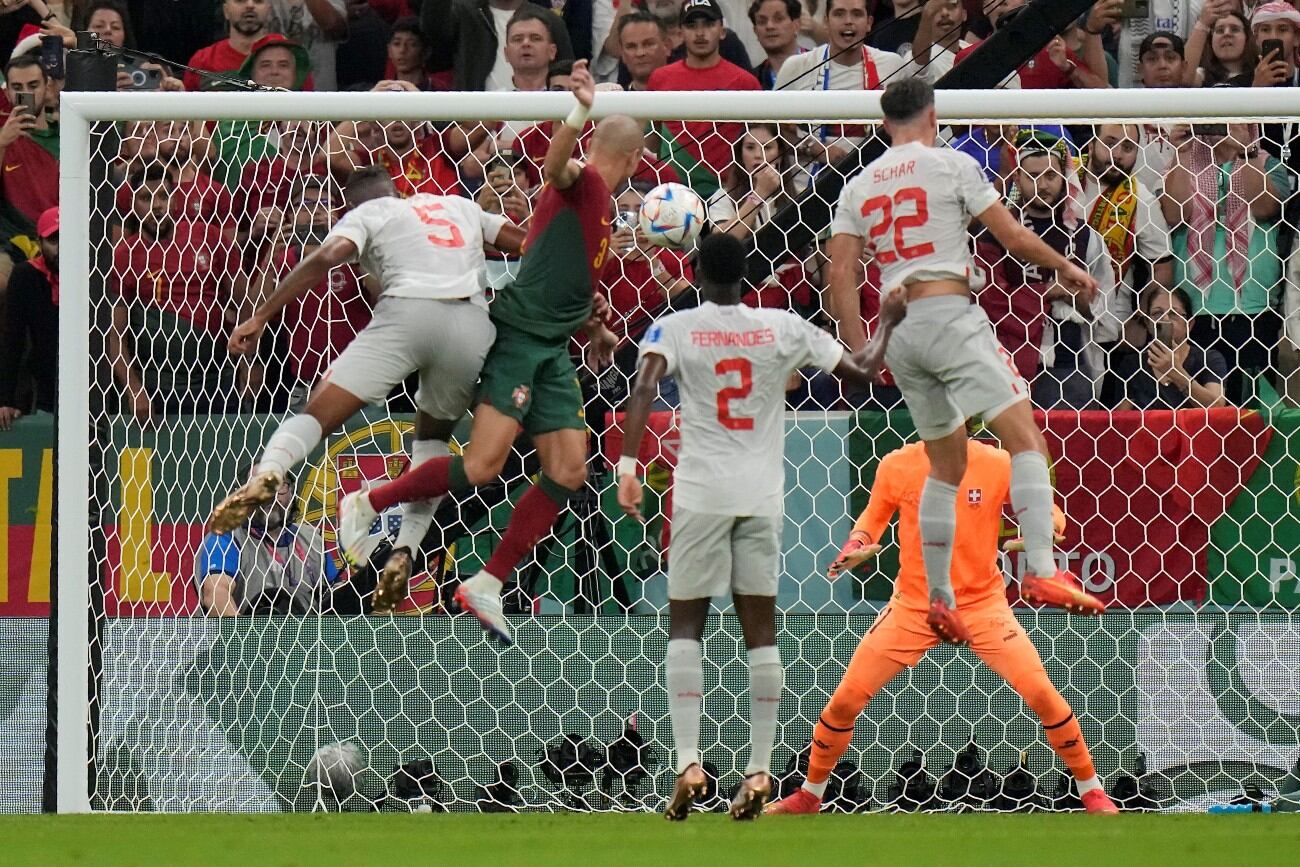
<point>1183,519</point>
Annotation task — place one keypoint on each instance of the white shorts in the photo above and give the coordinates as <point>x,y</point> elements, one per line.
<point>444,340</point>
<point>949,365</point>
<point>712,555</point>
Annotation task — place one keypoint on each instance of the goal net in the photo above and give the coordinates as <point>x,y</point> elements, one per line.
<point>250,675</point>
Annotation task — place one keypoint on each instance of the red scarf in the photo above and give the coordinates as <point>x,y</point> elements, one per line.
<point>53,276</point>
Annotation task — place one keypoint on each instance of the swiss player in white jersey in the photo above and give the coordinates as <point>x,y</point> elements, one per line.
<point>426,253</point>
<point>732,364</point>
<point>909,210</point>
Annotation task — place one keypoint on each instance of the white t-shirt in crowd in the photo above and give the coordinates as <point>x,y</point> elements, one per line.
<point>293,19</point>
<point>922,200</point>
<point>732,364</point>
<point>723,208</point>
<point>813,71</point>
<point>422,247</point>
<point>502,76</point>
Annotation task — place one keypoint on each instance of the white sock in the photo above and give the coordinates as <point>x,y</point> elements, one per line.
<point>289,446</point>
<point>418,515</point>
<point>685,681</point>
<point>1031,500</point>
<point>937,515</point>
<point>765,682</point>
<point>818,789</point>
<point>1087,785</point>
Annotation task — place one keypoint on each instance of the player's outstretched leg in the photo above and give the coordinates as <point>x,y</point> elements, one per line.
<point>684,679</point>
<point>867,673</point>
<point>937,517</point>
<point>1031,501</point>
<point>1017,661</point>
<point>766,680</point>
<point>289,446</point>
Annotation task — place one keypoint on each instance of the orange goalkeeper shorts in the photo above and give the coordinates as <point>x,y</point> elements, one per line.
<point>902,636</point>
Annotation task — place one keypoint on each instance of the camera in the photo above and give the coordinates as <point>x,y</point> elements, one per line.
<point>25,102</point>
<point>141,78</point>
<point>504,162</point>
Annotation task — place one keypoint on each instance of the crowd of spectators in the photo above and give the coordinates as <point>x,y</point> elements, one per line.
<point>1189,229</point>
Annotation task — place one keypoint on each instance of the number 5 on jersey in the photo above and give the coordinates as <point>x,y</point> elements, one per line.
<point>886,206</point>
<point>725,368</point>
<point>453,238</point>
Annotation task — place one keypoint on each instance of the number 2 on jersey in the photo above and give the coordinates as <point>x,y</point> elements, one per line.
<point>885,205</point>
<point>734,392</point>
<point>452,237</point>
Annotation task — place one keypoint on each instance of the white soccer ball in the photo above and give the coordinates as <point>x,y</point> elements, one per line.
<point>672,215</point>
<point>334,768</point>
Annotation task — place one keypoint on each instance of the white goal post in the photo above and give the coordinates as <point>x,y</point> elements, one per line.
<point>80,111</point>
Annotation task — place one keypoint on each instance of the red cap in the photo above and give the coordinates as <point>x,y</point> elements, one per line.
<point>29,39</point>
<point>48,224</point>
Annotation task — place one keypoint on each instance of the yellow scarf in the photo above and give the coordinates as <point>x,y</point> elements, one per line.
<point>1112,217</point>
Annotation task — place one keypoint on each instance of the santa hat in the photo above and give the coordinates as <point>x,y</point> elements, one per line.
<point>29,39</point>
<point>1275,11</point>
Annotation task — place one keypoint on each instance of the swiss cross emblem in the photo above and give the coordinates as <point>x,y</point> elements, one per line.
<point>974,496</point>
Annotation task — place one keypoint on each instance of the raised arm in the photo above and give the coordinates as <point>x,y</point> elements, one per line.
<point>310,271</point>
<point>560,169</point>
<point>845,281</point>
<point>652,369</point>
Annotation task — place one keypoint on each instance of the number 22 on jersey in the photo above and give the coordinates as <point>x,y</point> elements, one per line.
<point>886,207</point>
<point>724,369</point>
<point>446,233</point>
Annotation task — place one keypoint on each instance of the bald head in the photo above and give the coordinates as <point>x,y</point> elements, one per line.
<point>617,136</point>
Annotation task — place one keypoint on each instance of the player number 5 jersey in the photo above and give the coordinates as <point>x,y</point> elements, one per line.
<point>911,207</point>
<point>422,247</point>
<point>732,364</point>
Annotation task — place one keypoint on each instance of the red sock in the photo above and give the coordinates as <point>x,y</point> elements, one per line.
<point>433,478</point>
<point>529,523</point>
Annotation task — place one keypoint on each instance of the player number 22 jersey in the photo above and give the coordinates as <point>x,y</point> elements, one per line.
<point>422,247</point>
<point>732,364</point>
<point>911,207</point>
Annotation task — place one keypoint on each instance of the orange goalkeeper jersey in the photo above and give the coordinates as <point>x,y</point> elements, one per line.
<point>976,574</point>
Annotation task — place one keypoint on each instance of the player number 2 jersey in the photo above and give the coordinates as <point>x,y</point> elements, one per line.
<point>422,247</point>
<point>732,364</point>
<point>911,207</point>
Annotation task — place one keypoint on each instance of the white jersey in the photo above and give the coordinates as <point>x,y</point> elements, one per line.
<point>912,208</point>
<point>422,247</point>
<point>732,364</point>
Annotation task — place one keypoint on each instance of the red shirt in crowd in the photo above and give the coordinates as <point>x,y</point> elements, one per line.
<point>199,200</point>
<point>267,181</point>
<point>29,178</point>
<point>710,143</point>
<point>217,58</point>
<point>1038,72</point>
<point>323,320</point>
<point>423,169</point>
<point>182,274</point>
<point>635,296</point>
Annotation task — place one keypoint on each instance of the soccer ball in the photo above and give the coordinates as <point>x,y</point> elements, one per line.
<point>672,216</point>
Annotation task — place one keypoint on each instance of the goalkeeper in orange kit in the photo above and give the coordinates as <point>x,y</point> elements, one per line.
<point>900,636</point>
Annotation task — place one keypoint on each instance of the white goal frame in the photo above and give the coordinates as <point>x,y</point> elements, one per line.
<point>79,110</point>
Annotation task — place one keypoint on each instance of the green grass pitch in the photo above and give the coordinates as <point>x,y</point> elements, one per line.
<point>536,840</point>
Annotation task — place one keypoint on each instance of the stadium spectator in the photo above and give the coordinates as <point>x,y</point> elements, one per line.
<point>420,158</point>
<point>1222,42</point>
<point>529,51</point>
<point>1053,344</point>
<point>639,280</point>
<point>756,184</point>
<point>319,324</point>
<point>643,47</point>
<point>505,190</point>
<point>937,40</point>
<point>172,30</point>
<point>896,32</point>
<point>776,24</point>
<point>316,25</point>
<point>1056,66</point>
<point>469,37</point>
<point>1162,61</point>
<point>1170,370</point>
<point>731,47</point>
<point>843,63</point>
<point>698,150</point>
<point>110,21</point>
<point>1126,214</point>
<point>408,58</point>
<point>29,143</point>
<point>1278,22</point>
<point>274,564</point>
<point>29,351</point>
<point>174,283</point>
<point>268,181</point>
<point>1223,198</point>
<point>172,144</point>
<point>248,22</point>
